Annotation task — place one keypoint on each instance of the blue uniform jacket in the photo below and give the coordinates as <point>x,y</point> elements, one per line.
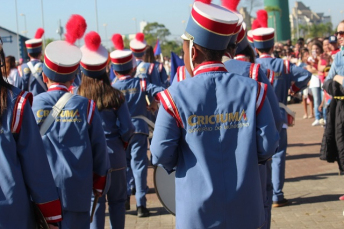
<point>147,70</point>
<point>181,74</point>
<point>118,129</point>
<point>337,67</point>
<point>135,91</point>
<point>24,172</point>
<point>28,82</point>
<point>285,73</point>
<point>257,73</point>
<point>214,139</point>
<point>162,74</point>
<point>76,148</point>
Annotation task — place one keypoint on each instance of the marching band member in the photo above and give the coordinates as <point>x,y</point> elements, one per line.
<point>138,47</point>
<point>116,123</point>
<point>25,176</point>
<point>198,129</point>
<point>32,79</point>
<point>284,74</point>
<point>150,58</point>
<point>74,140</point>
<point>134,90</point>
<point>257,73</point>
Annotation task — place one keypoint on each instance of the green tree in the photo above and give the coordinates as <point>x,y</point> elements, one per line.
<point>48,40</point>
<point>126,42</point>
<point>316,30</point>
<point>154,31</point>
<point>171,46</point>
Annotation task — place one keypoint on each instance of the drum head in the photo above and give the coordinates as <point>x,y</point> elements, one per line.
<point>165,189</point>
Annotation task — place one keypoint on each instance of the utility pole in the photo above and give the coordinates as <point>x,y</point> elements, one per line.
<point>43,23</point>
<point>17,30</point>
<point>59,30</point>
<point>95,2</point>
<point>297,20</point>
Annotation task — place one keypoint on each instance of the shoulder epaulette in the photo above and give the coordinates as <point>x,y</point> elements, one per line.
<point>151,67</point>
<point>169,105</point>
<point>261,94</point>
<point>143,84</point>
<point>18,110</point>
<point>286,66</point>
<point>90,110</point>
<point>181,73</point>
<point>254,69</point>
<point>160,67</point>
<point>271,76</point>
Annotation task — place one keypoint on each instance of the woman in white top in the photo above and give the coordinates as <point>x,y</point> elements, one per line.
<point>11,72</point>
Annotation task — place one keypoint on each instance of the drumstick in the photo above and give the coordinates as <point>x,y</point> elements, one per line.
<point>95,201</point>
<point>147,100</point>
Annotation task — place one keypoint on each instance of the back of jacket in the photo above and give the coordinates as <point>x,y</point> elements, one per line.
<point>75,145</point>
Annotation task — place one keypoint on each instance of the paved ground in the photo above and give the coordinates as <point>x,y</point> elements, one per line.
<point>313,187</point>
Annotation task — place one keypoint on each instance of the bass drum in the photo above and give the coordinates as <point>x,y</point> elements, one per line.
<point>165,188</point>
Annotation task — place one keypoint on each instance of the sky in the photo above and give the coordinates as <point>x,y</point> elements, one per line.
<point>116,16</point>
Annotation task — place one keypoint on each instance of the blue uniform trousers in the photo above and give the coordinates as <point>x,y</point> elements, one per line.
<point>130,177</point>
<point>75,220</point>
<point>267,192</point>
<point>317,95</point>
<point>278,167</point>
<point>263,181</point>
<point>137,150</point>
<point>116,198</point>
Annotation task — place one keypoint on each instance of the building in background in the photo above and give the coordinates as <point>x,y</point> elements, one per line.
<point>247,17</point>
<point>302,15</point>
<point>11,46</point>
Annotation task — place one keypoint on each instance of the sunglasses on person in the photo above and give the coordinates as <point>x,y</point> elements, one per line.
<point>339,33</point>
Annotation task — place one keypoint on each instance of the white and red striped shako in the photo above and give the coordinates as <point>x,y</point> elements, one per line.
<point>263,38</point>
<point>62,58</point>
<point>122,59</point>
<point>35,45</point>
<point>232,6</point>
<point>138,45</point>
<point>242,41</point>
<point>210,26</point>
<point>250,36</point>
<point>94,56</point>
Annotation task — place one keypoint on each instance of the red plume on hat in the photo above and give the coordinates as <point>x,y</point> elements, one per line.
<point>92,41</point>
<point>262,17</point>
<point>231,4</point>
<point>204,1</point>
<point>117,41</point>
<point>76,27</point>
<point>256,24</point>
<point>140,37</point>
<point>39,33</point>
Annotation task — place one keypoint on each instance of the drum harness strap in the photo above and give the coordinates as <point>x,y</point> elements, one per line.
<point>54,113</point>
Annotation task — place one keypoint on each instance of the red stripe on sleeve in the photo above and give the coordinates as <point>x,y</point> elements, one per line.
<point>51,211</point>
<point>99,182</point>
<point>265,88</point>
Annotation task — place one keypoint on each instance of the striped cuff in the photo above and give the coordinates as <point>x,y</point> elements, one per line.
<point>51,211</point>
<point>99,183</point>
<point>294,88</point>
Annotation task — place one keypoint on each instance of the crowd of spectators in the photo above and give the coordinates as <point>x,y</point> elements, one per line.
<point>316,55</point>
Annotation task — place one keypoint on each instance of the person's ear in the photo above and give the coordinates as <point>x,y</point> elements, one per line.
<point>45,78</point>
<point>194,53</point>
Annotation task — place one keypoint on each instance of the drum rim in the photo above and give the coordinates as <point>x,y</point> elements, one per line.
<point>157,193</point>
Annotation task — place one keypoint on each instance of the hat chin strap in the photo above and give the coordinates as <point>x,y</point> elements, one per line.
<point>190,54</point>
